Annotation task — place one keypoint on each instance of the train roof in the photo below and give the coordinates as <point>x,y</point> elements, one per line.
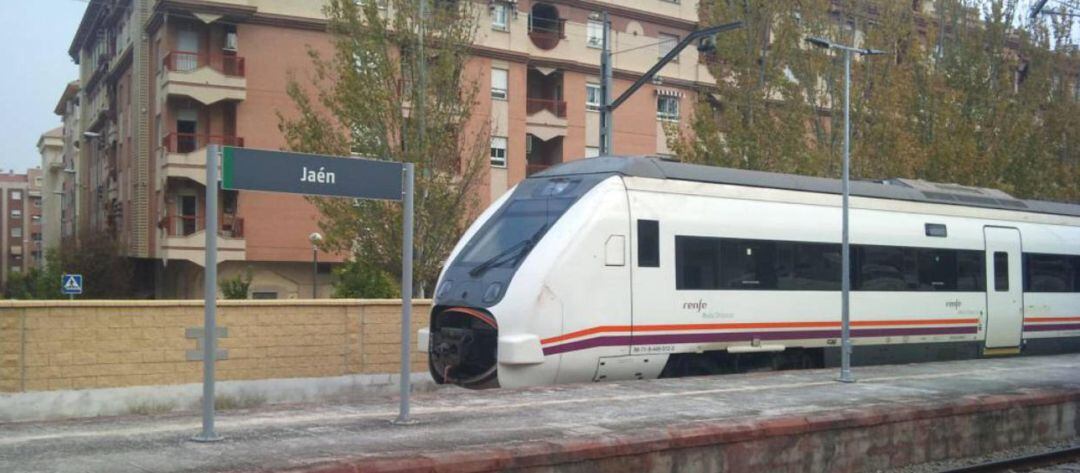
<point>894,189</point>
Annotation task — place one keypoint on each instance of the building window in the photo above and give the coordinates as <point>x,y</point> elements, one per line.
<point>667,43</point>
<point>499,80</point>
<point>499,16</point>
<point>264,295</point>
<point>592,97</point>
<point>36,201</point>
<point>16,213</point>
<point>16,269</point>
<point>16,195</point>
<point>36,236</point>
<point>16,232</point>
<point>594,34</point>
<point>498,151</point>
<point>592,151</point>
<point>35,218</point>
<point>667,107</point>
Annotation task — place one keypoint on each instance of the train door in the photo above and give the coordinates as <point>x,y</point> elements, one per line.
<point>1004,288</point>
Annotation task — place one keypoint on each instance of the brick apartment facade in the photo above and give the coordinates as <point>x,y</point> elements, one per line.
<point>20,223</point>
<point>161,79</point>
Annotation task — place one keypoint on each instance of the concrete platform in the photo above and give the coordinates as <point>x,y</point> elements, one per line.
<point>787,421</point>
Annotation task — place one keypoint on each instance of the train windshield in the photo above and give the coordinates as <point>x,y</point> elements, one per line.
<point>510,236</point>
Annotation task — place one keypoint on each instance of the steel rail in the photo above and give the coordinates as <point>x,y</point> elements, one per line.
<point>1035,460</point>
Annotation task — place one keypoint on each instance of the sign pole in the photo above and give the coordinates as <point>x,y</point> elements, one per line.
<point>210,298</point>
<point>406,290</point>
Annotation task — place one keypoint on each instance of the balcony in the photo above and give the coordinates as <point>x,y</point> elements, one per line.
<point>206,78</point>
<point>545,111</point>
<point>541,154</point>
<point>184,238</point>
<point>185,153</point>
<point>546,29</point>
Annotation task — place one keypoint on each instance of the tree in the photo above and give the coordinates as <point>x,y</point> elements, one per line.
<point>106,274</point>
<point>966,94</point>
<point>388,94</point>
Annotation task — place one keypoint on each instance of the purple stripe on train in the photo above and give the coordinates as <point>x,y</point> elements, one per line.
<point>1050,327</point>
<point>675,338</point>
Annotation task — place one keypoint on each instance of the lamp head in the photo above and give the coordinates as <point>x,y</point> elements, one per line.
<point>315,238</point>
<point>819,42</point>
<point>872,52</point>
<point>91,134</point>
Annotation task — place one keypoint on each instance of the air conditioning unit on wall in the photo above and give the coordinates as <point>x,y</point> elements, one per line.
<point>231,41</point>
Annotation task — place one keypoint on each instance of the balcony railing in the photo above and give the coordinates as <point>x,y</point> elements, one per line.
<point>183,61</point>
<point>188,142</point>
<point>230,226</point>
<point>546,32</point>
<point>531,169</point>
<point>556,107</point>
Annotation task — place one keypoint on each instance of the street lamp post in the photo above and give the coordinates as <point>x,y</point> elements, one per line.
<point>845,247</point>
<point>315,238</point>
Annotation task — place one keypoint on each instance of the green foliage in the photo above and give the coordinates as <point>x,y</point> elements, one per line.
<point>106,274</point>
<point>944,104</point>
<point>362,280</point>
<point>237,286</point>
<point>369,97</point>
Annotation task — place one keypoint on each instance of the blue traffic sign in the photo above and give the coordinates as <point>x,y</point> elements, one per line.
<point>71,284</point>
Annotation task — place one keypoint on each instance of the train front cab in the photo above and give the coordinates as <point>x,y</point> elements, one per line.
<point>502,296</point>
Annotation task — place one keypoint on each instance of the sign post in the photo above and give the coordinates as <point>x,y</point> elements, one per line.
<point>210,299</point>
<point>308,174</point>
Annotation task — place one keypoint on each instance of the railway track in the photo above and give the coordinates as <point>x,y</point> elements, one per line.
<point>1024,462</point>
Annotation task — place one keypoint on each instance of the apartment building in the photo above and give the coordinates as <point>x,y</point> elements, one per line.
<point>61,180</point>
<point>162,79</point>
<point>159,81</point>
<point>20,222</point>
<point>51,148</point>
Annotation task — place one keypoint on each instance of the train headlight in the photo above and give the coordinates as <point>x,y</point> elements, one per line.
<point>493,291</point>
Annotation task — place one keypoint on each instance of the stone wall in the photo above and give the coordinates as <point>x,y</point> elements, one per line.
<point>51,345</point>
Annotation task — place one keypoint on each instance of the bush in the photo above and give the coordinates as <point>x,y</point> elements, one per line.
<point>360,279</point>
<point>237,286</point>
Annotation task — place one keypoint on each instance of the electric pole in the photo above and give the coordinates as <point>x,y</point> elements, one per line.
<point>605,88</point>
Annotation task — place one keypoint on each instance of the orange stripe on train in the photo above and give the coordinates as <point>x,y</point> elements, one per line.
<point>746,325</point>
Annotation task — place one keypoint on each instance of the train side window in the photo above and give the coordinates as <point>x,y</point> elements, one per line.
<point>748,264</point>
<point>1001,271</point>
<point>970,271</point>
<point>810,266</point>
<point>697,263</point>
<point>648,248</point>
<point>1049,273</point>
<point>885,268</point>
<point>937,270</point>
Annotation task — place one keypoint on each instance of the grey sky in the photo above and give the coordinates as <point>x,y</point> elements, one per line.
<point>34,39</point>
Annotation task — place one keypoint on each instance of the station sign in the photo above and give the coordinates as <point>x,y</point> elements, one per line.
<point>310,174</point>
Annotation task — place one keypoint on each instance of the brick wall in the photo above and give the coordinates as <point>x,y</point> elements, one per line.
<point>47,345</point>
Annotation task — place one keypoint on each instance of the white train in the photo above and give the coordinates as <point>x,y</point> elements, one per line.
<point>628,267</point>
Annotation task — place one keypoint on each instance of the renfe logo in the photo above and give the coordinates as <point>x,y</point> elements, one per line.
<point>699,306</point>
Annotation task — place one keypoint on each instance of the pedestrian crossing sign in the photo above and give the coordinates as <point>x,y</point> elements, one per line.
<point>71,284</point>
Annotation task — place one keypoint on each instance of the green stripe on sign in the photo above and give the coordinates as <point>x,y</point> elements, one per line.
<point>227,168</point>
